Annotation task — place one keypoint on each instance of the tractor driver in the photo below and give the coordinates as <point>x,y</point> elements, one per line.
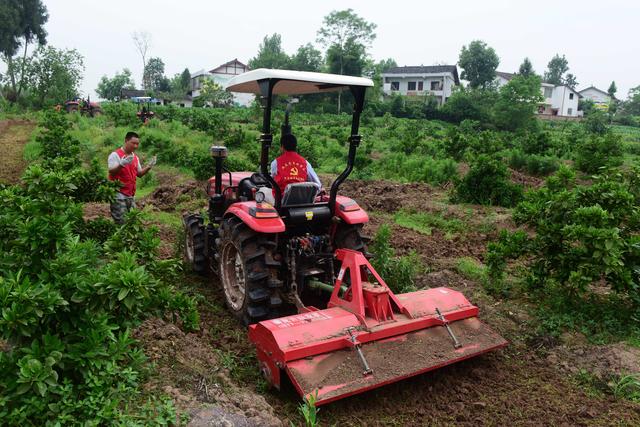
<point>290,167</point>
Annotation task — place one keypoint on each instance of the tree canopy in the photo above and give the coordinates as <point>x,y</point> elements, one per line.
<point>346,37</point>
<point>526,68</point>
<point>21,23</point>
<point>612,89</point>
<point>556,69</point>
<point>478,62</point>
<point>154,77</point>
<point>110,88</point>
<point>270,54</point>
<point>307,58</point>
<point>54,75</point>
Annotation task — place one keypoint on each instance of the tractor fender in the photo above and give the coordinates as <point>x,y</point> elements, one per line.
<point>349,211</point>
<point>261,218</point>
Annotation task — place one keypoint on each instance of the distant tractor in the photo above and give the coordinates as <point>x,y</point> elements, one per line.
<point>83,106</point>
<point>297,271</point>
<point>144,108</point>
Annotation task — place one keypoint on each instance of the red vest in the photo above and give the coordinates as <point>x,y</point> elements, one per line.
<point>126,175</point>
<point>292,167</point>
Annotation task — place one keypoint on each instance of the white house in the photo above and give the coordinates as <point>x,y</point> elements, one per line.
<point>436,80</point>
<point>559,100</point>
<point>221,75</point>
<point>600,98</point>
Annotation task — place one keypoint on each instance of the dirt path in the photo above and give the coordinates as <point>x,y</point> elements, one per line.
<point>525,384</point>
<point>14,134</point>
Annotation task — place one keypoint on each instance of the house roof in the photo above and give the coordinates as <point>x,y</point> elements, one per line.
<point>131,93</point>
<point>596,89</point>
<point>232,62</point>
<point>506,76</point>
<point>294,82</point>
<point>425,69</point>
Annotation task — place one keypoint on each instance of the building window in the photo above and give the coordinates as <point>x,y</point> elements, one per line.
<point>436,85</point>
<point>421,86</point>
<point>411,86</point>
<point>570,96</point>
<point>395,85</point>
<point>570,111</point>
<point>387,79</point>
<point>548,92</point>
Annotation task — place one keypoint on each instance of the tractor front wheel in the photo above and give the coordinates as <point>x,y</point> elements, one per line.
<point>248,273</point>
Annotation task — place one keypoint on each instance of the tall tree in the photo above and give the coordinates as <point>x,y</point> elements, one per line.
<point>307,58</point>
<point>54,75</point>
<point>346,36</point>
<point>556,69</point>
<point>110,88</point>
<point>142,42</point>
<point>478,63</point>
<point>517,102</point>
<point>270,54</point>
<point>612,90</point>
<point>632,104</point>
<point>185,80</point>
<point>21,23</point>
<point>154,75</point>
<point>526,68</point>
<point>571,80</point>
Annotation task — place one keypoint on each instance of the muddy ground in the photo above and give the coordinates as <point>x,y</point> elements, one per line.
<point>14,134</point>
<point>524,384</point>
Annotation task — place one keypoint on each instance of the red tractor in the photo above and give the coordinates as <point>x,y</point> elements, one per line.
<point>83,106</point>
<point>297,274</point>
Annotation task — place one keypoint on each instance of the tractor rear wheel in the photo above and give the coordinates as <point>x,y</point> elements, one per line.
<point>248,273</point>
<point>350,237</point>
<point>194,243</point>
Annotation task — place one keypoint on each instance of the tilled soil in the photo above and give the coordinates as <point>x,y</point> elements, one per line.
<point>14,134</point>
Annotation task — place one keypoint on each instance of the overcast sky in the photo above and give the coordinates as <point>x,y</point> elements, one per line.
<point>599,38</point>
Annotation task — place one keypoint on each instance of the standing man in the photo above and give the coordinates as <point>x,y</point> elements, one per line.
<point>124,166</point>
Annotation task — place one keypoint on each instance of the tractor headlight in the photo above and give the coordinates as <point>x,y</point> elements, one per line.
<point>260,197</point>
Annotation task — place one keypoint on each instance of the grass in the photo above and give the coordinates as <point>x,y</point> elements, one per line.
<point>425,222</point>
<point>471,269</point>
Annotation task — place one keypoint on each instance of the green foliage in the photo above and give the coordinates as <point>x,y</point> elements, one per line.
<point>626,387</point>
<point>533,164</point>
<point>471,269</point>
<point>54,75</point>
<point>110,88</point>
<point>487,183</point>
<point>270,54</point>
<point>517,103</point>
<point>425,222</point>
<point>585,240</point>
<point>308,409</point>
<point>122,113</point>
<point>478,63</point>
<point>598,151</point>
<point>398,272</point>
<point>556,69</point>
<point>68,303</point>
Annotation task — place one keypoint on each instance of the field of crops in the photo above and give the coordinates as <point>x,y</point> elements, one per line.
<point>537,227</point>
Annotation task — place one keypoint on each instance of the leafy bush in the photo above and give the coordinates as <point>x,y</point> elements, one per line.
<point>586,238</point>
<point>533,164</point>
<point>487,183</point>
<point>122,113</point>
<point>68,304</point>
<point>598,151</point>
<point>398,272</point>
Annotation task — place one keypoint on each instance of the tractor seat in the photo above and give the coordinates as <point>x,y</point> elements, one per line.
<point>300,193</point>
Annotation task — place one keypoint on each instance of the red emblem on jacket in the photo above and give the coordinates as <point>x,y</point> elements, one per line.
<point>292,167</point>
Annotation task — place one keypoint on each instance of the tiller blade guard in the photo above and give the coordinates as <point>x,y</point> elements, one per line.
<point>369,337</point>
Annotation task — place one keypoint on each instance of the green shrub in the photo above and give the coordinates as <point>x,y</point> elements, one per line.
<point>598,151</point>
<point>398,272</point>
<point>585,238</point>
<point>487,183</point>
<point>533,164</point>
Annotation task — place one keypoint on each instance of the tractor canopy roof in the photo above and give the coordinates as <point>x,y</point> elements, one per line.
<point>294,82</point>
